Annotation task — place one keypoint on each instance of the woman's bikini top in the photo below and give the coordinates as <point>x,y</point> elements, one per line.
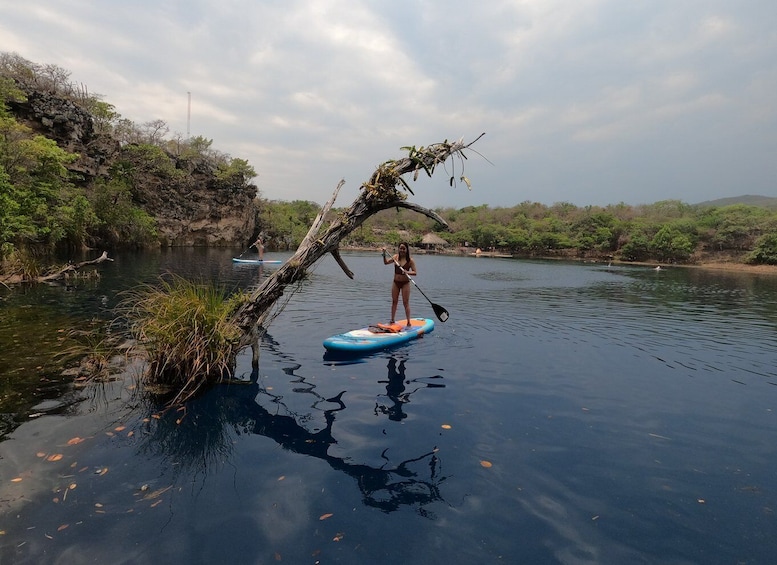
<point>398,271</point>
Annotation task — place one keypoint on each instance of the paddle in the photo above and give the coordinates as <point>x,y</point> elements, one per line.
<point>439,311</point>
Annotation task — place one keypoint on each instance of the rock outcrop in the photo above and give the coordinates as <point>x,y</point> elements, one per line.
<point>192,207</point>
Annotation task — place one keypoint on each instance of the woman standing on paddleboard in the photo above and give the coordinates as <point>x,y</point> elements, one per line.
<point>403,266</point>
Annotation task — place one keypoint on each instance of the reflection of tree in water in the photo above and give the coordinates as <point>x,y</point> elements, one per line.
<point>201,437</point>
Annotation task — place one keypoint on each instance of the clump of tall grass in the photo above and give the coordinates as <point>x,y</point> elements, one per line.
<point>186,332</point>
<point>21,264</point>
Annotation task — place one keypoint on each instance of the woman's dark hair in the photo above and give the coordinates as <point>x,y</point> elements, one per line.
<point>407,246</point>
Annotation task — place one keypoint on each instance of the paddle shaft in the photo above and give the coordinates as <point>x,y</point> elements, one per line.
<point>442,313</point>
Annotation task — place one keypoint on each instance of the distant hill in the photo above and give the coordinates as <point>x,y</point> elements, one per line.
<point>748,199</point>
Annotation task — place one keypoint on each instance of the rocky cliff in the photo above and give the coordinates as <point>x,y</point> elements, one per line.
<point>193,206</point>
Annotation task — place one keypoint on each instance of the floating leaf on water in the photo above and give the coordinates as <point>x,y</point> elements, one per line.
<point>325,516</point>
<point>339,536</point>
<point>16,480</point>
<point>55,500</point>
<point>486,464</point>
<point>119,428</point>
<point>130,433</point>
<point>278,556</point>
<point>98,505</point>
<point>157,503</point>
<point>40,454</point>
<point>701,501</point>
<point>63,527</point>
<point>72,486</point>
<point>74,441</point>
<point>54,457</point>
<point>282,477</point>
<point>446,426</point>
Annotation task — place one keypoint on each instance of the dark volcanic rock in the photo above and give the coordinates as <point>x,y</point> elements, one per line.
<point>194,207</point>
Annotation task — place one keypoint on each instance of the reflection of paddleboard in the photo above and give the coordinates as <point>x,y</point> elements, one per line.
<point>255,261</point>
<point>379,336</point>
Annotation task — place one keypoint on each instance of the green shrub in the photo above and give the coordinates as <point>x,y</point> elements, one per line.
<point>765,250</point>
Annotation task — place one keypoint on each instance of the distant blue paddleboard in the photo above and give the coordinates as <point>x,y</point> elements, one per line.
<point>255,261</point>
<point>377,337</point>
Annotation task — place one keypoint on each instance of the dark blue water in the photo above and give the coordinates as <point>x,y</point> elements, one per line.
<point>565,413</point>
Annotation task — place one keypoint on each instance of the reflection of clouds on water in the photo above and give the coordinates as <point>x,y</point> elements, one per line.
<point>282,522</point>
<point>571,535</point>
<point>688,320</point>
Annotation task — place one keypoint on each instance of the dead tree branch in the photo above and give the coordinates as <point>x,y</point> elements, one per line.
<point>60,273</point>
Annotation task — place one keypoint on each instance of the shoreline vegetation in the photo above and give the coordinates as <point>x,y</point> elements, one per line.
<point>708,263</point>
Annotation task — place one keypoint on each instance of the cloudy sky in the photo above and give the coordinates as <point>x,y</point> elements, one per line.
<point>582,101</point>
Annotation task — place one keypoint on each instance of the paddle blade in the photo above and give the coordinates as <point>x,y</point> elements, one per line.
<point>440,312</point>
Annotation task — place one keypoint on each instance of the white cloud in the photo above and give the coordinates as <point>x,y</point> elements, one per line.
<point>574,96</point>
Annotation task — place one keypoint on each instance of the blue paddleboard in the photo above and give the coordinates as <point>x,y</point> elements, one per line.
<point>379,336</point>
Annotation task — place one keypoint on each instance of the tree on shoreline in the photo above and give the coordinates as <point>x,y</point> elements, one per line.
<point>669,231</point>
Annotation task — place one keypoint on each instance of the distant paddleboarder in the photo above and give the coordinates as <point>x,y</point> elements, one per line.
<point>259,247</point>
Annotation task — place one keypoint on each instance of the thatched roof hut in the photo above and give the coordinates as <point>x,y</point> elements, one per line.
<point>432,241</point>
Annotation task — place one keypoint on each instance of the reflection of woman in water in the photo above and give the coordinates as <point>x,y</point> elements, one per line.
<point>395,390</point>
